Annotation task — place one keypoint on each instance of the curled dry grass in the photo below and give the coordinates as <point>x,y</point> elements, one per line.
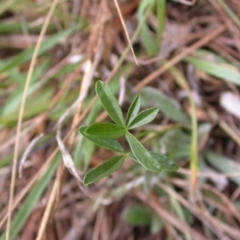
<point>188,56</point>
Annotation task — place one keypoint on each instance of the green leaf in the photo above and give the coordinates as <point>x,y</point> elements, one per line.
<point>105,130</point>
<point>105,169</point>
<point>137,216</point>
<point>142,155</point>
<point>109,102</point>
<point>224,165</point>
<point>133,109</point>
<point>169,107</point>
<point>166,163</point>
<point>177,143</point>
<point>148,40</point>
<point>108,143</point>
<point>144,117</point>
<point>131,155</point>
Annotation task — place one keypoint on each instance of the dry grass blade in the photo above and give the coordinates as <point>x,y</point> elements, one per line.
<point>68,162</point>
<point>26,153</point>
<point>201,212</point>
<point>179,57</point>
<point>181,226</point>
<point>20,118</point>
<point>48,210</point>
<point>195,56</point>
<point>122,90</point>
<point>67,159</point>
<point>125,30</point>
<point>224,125</point>
<point>186,2</point>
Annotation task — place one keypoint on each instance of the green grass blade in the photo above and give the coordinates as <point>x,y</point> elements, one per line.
<point>7,27</point>
<point>30,201</point>
<point>27,54</point>
<point>222,71</point>
<point>38,104</point>
<point>14,100</point>
<point>161,8</point>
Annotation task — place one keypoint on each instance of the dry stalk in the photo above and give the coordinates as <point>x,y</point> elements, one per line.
<point>20,117</point>
<point>68,162</point>
<point>168,217</point>
<point>125,30</point>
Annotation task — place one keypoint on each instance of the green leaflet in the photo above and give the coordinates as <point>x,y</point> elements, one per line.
<point>144,117</point>
<point>154,97</point>
<point>105,169</point>
<point>109,102</point>
<point>166,163</point>
<point>142,155</point>
<point>108,143</point>
<point>138,216</point>
<point>105,130</point>
<point>133,109</point>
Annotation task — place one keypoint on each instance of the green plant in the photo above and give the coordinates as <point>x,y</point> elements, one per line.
<point>104,134</point>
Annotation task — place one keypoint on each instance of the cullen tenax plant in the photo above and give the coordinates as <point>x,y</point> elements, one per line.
<point>104,134</point>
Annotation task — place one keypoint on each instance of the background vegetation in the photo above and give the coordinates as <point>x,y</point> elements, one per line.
<point>187,63</point>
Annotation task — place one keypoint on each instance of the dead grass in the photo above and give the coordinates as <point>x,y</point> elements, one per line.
<point>184,69</point>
